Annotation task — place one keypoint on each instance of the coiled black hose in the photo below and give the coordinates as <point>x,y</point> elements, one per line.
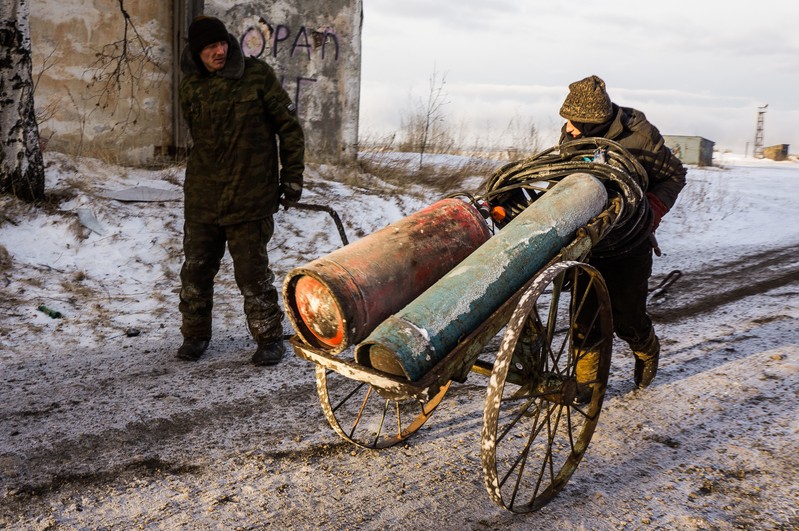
<point>518,184</point>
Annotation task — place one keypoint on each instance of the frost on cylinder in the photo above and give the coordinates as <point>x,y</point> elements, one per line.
<point>413,340</point>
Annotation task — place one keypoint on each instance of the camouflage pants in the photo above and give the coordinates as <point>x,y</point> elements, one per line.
<point>203,248</point>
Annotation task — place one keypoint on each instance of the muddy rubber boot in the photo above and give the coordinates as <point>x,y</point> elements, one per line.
<point>268,353</point>
<point>192,349</point>
<point>585,373</point>
<point>646,362</point>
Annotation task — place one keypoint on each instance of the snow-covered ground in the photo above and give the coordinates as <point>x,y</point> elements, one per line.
<point>101,427</point>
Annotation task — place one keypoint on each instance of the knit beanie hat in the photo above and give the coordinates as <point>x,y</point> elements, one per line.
<point>587,102</point>
<point>204,31</point>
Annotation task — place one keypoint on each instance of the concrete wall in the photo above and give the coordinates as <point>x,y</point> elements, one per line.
<point>315,48</point>
<point>79,112</point>
<point>691,149</point>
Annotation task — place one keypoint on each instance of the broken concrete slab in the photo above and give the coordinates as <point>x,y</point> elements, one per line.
<point>143,193</point>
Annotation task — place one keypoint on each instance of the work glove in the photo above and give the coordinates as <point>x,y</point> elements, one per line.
<point>290,193</point>
<point>658,209</point>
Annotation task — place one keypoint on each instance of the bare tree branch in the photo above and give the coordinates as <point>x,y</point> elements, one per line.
<point>424,126</point>
<point>121,65</point>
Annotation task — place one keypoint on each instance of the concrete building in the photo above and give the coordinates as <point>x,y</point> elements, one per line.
<point>91,101</point>
<point>693,150</point>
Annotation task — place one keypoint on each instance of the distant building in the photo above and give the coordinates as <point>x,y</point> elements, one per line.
<point>691,149</point>
<point>778,152</point>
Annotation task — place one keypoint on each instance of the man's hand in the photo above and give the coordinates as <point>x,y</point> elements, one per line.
<point>289,194</point>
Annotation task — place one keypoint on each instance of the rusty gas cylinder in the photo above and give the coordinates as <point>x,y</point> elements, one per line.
<point>414,339</point>
<point>337,300</point>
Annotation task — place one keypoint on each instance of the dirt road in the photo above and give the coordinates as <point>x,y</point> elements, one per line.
<point>127,436</point>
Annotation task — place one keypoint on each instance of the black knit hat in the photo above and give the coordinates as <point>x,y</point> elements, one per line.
<point>587,102</point>
<point>204,31</point>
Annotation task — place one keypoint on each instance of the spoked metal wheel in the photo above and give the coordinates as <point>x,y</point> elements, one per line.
<point>538,418</point>
<point>361,416</point>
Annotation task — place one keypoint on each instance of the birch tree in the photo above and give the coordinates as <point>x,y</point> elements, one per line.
<point>21,164</point>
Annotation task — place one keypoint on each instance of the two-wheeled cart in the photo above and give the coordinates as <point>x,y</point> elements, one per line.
<point>538,418</point>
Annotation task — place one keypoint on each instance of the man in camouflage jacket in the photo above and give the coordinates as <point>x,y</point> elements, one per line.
<point>236,178</point>
<point>590,113</point>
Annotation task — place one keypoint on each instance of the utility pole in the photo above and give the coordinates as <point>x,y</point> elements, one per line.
<point>757,151</point>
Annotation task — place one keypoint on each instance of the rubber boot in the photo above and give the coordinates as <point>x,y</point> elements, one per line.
<point>192,349</point>
<point>269,353</point>
<point>646,361</point>
<point>586,373</point>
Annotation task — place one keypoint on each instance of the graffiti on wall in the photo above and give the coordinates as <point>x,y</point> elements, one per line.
<point>263,39</point>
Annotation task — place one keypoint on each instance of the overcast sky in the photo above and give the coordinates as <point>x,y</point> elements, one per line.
<point>694,67</point>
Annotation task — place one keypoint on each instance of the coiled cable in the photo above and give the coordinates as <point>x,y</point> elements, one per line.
<point>518,184</point>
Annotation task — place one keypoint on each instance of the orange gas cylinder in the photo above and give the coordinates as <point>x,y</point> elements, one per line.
<point>337,300</point>
<point>318,310</point>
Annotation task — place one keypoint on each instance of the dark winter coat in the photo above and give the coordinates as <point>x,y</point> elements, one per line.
<point>235,173</point>
<point>630,128</point>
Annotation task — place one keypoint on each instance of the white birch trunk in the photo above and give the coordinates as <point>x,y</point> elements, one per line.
<point>21,165</point>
